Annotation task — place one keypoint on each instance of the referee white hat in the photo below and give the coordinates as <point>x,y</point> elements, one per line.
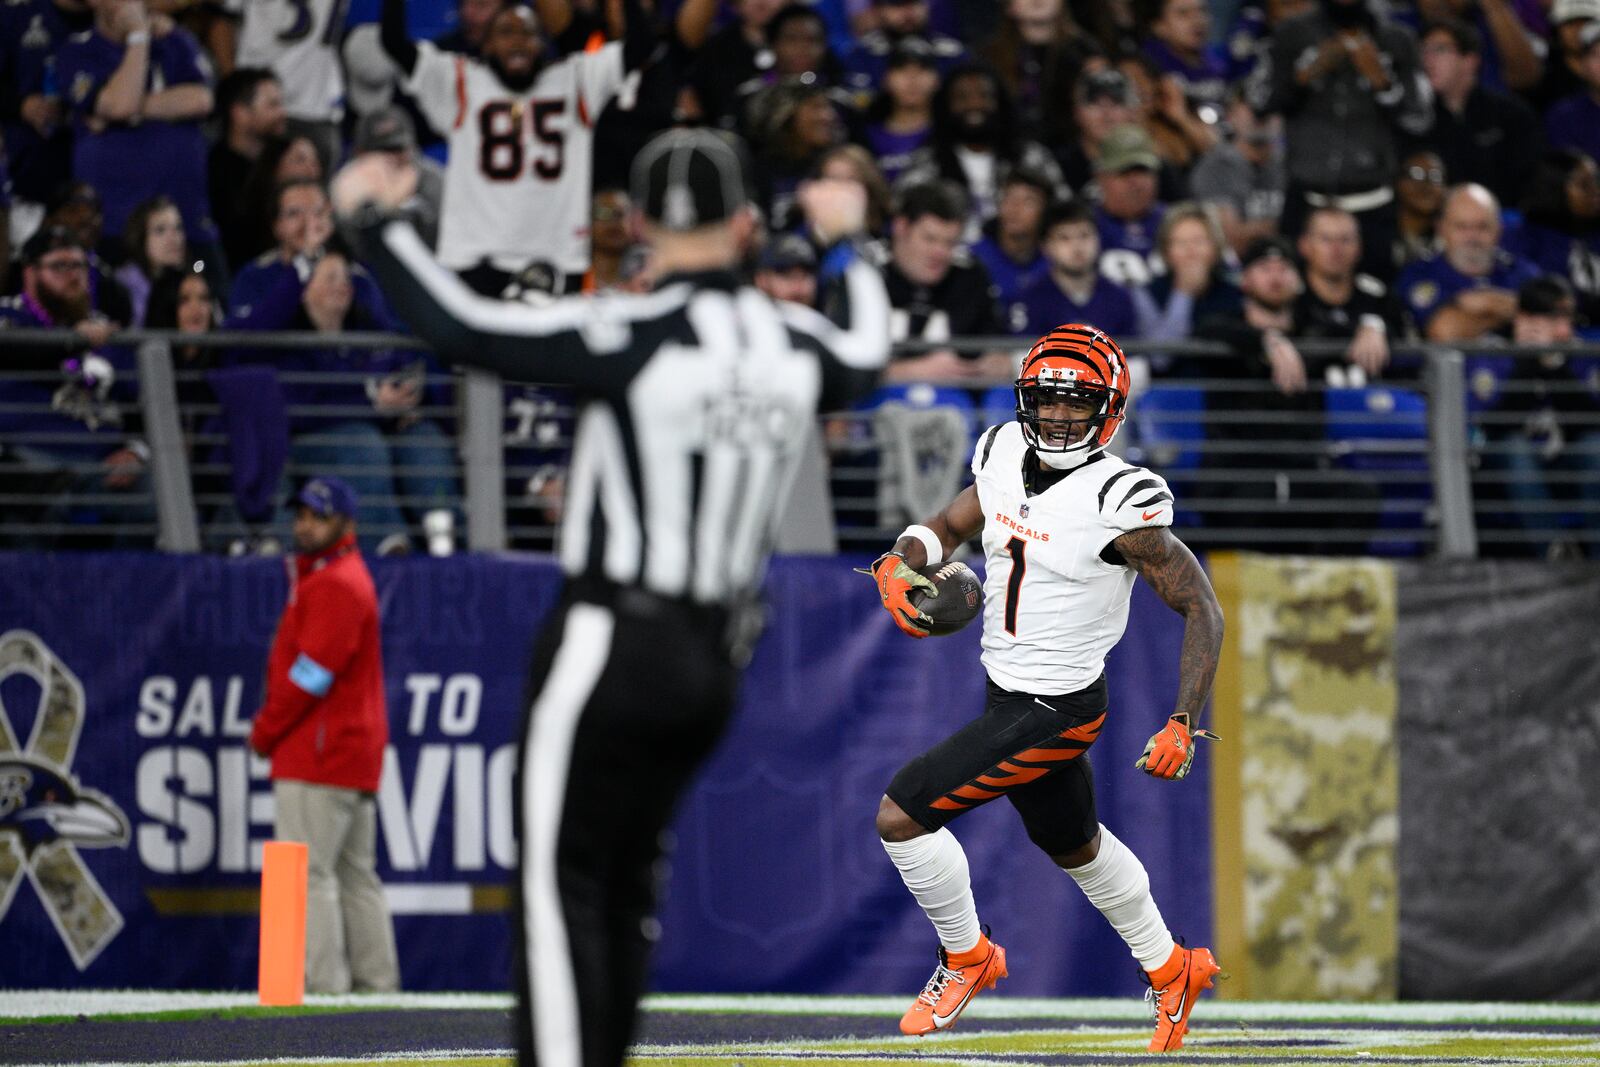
<point>687,178</point>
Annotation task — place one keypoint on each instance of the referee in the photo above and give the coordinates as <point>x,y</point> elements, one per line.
<point>695,402</point>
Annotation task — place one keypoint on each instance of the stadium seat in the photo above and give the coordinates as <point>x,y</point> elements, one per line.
<point>1382,430</point>
<point>1169,425</point>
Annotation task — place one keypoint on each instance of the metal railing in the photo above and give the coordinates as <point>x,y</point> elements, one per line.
<point>1397,467</point>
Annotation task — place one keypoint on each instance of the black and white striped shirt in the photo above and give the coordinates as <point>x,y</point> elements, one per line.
<point>695,402</point>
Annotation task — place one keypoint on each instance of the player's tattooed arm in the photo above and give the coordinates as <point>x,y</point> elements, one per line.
<point>958,523</point>
<point>1177,577</point>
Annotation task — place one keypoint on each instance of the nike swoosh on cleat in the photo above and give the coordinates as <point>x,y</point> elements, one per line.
<point>1176,1017</point>
<point>942,1021</point>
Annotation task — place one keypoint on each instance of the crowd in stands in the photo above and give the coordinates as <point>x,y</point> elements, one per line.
<point>1355,171</point>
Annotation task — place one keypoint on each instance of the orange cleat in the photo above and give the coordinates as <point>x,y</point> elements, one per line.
<point>955,982</point>
<point>1173,989</point>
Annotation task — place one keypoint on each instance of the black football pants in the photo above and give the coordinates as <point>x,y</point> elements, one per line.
<point>629,693</point>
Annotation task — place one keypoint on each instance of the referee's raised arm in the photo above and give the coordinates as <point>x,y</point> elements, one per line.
<point>557,343</point>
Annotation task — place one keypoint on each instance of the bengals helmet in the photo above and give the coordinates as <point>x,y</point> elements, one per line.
<point>1072,362</point>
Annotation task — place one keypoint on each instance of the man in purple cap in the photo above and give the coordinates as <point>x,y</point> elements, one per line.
<point>324,724</point>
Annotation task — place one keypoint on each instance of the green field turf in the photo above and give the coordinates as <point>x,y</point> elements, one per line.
<point>790,1031</point>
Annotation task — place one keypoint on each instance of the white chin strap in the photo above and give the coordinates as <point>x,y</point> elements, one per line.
<point>1076,456</point>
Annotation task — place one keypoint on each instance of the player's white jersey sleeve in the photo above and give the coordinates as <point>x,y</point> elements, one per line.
<point>600,78</point>
<point>1134,498</point>
<point>298,41</point>
<point>438,83</point>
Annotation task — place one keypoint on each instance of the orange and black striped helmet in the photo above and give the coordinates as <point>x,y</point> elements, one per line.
<point>1080,362</point>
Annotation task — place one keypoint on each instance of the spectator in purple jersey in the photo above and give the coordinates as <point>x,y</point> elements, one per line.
<point>138,89</point>
<point>1194,285</point>
<point>976,143</point>
<point>899,22</point>
<point>900,117</point>
<point>1073,289</point>
<point>155,243</point>
<point>1129,213</point>
<point>1560,228</point>
<point>1512,32</point>
<point>269,289</point>
<point>1574,121</point>
<point>394,449</point>
<point>38,142</point>
<point>1469,289</point>
<point>1010,248</point>
<point>1483,135</point>
<point>1177,41</point>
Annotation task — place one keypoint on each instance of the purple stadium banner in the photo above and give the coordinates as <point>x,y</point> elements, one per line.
<point>127,681</point>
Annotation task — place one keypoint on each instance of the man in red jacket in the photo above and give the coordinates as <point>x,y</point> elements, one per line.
<point>325,726</point>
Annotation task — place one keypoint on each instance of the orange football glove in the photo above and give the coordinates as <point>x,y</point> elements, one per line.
<point>895,580</point>
<point>1170,752</point>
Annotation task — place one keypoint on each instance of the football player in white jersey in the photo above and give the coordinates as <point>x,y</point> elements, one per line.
<point>521,136</point>
<point>1066,528</point>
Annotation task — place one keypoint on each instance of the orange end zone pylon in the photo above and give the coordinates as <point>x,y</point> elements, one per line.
<point>282,978</point>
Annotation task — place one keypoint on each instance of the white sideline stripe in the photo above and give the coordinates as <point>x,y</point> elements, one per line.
<point>378,1057</point>
<point>1003,1007</point>
<point>28,1003</point>
<point>33,1003</point>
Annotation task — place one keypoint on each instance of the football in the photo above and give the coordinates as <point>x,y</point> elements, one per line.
<point>960,598</point>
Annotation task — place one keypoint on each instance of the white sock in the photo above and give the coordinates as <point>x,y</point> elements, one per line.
<point>934,868</point>
<point>1117,883</point>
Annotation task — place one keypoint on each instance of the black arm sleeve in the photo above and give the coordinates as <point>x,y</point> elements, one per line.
<point>639,36</point>
<point>396,38</point>
<point>574,342</point>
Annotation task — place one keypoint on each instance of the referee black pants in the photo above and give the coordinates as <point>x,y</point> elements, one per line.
<point>629,693</point>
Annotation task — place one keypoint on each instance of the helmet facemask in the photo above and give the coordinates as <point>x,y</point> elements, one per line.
<point>1072,363</point>
<point>1059,442</point>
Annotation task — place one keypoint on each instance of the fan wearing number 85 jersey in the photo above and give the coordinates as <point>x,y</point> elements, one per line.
<point>1066,528</point>
<point>521,136</point>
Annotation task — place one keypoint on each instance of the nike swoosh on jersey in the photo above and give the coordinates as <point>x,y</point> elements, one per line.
<point>1148,515</point>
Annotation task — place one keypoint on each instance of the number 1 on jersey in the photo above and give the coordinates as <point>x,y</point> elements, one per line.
<point>1018,549</point>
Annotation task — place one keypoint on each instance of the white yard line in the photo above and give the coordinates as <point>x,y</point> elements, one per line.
<point>32,1003</point>
<point>21,1004</point>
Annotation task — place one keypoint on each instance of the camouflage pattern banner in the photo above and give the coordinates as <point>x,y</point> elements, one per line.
<point>1306,795</point>
<point>1500,857</point>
